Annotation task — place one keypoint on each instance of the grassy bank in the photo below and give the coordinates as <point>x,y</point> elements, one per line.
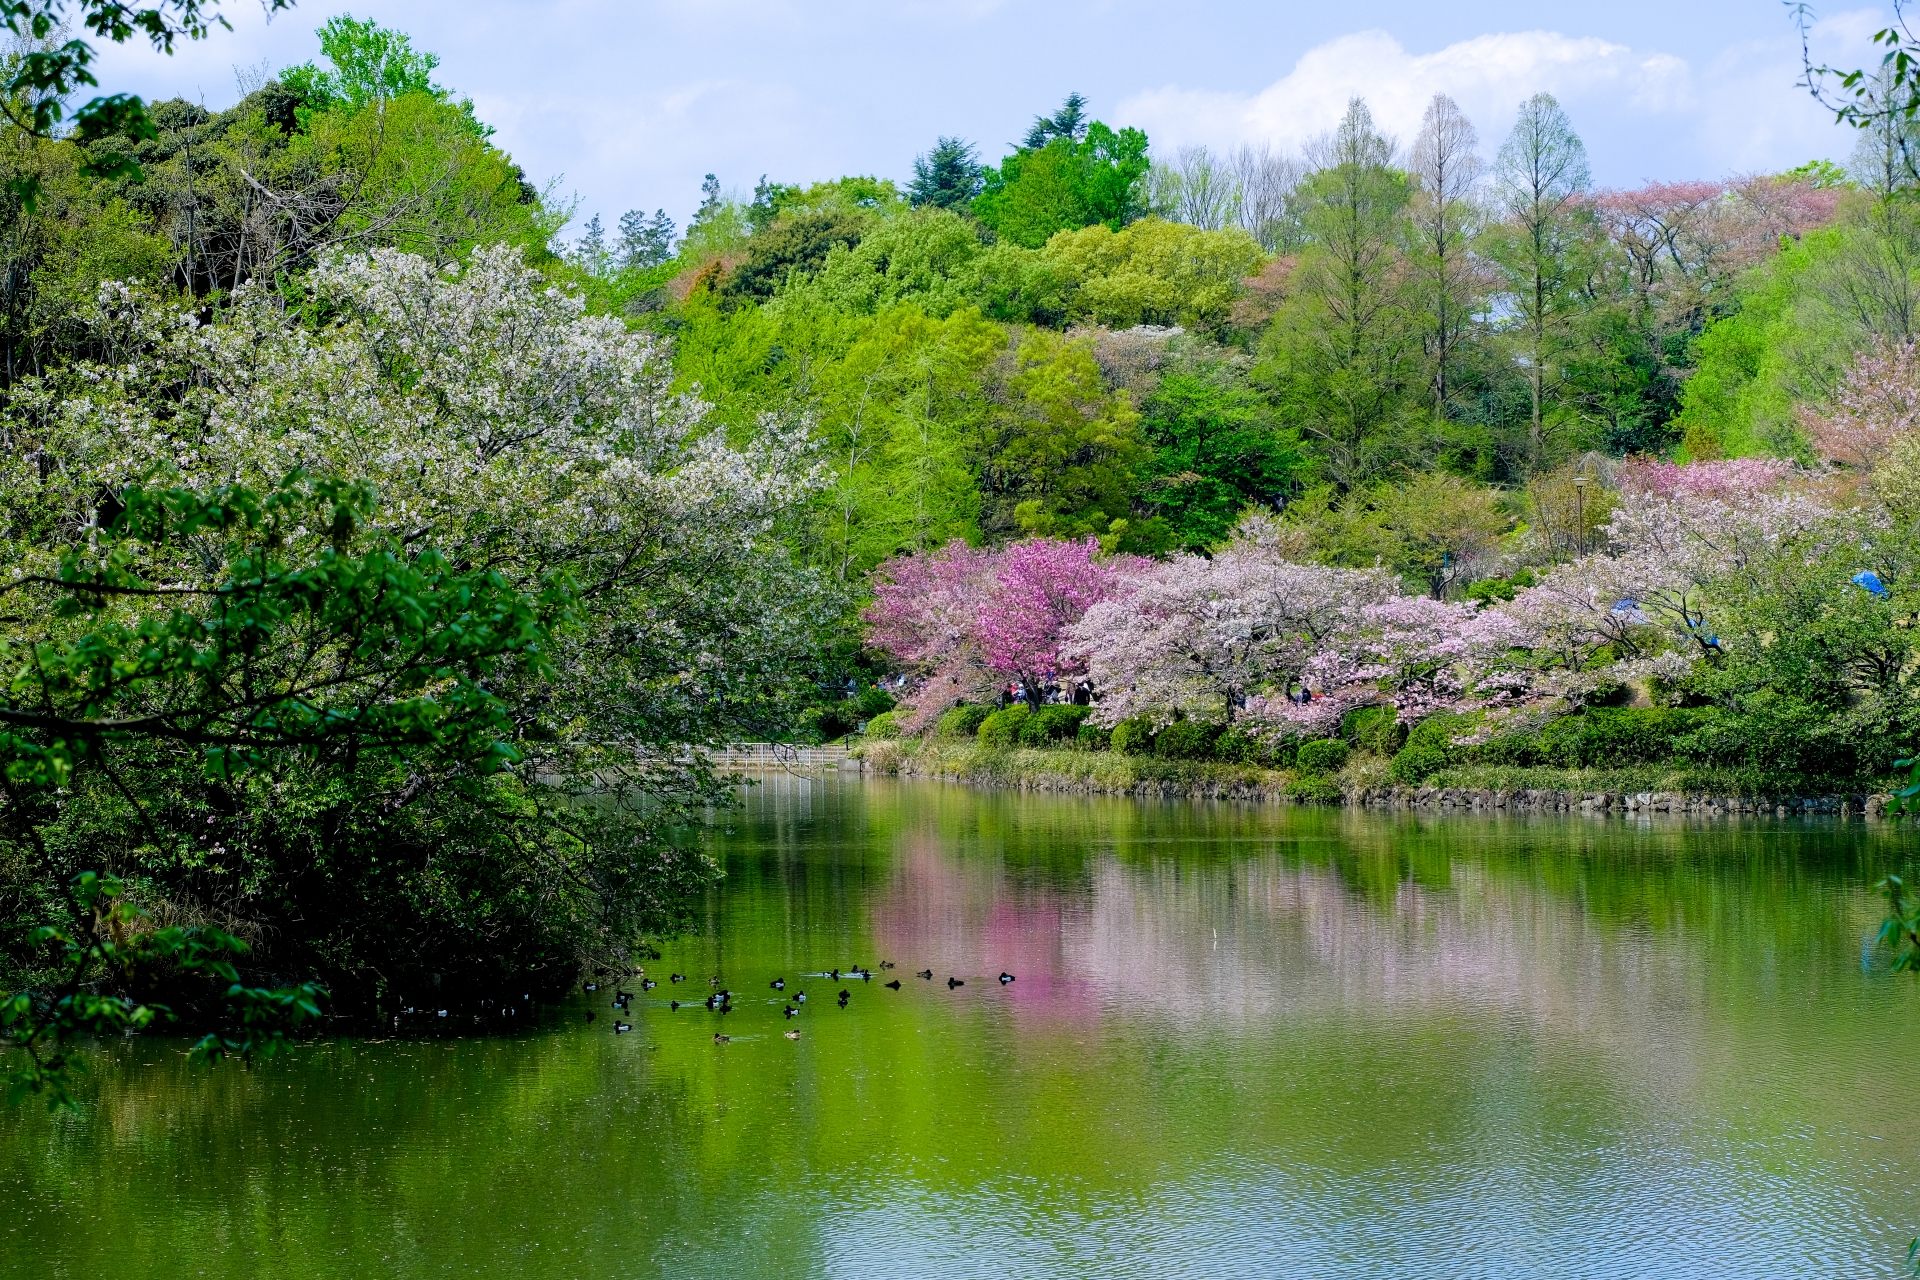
<point>1077,771</point>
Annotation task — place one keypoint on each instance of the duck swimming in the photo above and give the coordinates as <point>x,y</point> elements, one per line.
<point>589,1015</point>
<point>618,1027</point>
<point>793,1035</point>
<point>955,982</point>
<point>925,973</point>
<point>790,1011</point>
<point>1005,978</point>
<point>720,1039</point>
<point>894,985</point>
<point>676,977</point>
<point>778,984</point>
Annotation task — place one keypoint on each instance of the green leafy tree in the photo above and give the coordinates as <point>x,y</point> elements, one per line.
<point>1064,180</point>
<point>1540,176</point>
<point>1343,355</point>
<point>371,65</point>
<point>1217,450</point>
<point>948,177</point>
<point>1058,453</point>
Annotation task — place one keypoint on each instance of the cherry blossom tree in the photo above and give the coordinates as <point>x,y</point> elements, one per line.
<point>1201,638</point>
<point>967,619</point>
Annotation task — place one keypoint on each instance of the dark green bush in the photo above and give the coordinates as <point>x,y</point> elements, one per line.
<point>1323,755</point>
<point>872,702</point>
<point>1599,736</point>
<point>1185,740</point>
<point>1375,729</point>
<point>884,725</point>
<point>1428,750</point>
<point>1094,737</point>
<point>962,722</point>
<point>1314,787</point>
<point>1050,725</point>
<point>1236,747</point>
<point>1002,728</point>
<point>1133,737</point>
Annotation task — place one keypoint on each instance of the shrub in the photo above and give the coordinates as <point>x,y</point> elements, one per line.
<point>1323,755</point>
<point>1315,786</point>
<point>1002,728</point>
<point>962,722</point>
<point>1597,736</point>
<point>884,725</point>
<point>1185,740</point>
<point>1094,737</point>
<point>1049,725</point>
<point>1429,749</point>
<point>872,702</point>
<point>1236,747</point>
<point>1133,737</point>
<point>1375,729</point>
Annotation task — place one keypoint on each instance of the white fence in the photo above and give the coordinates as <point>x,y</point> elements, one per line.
<point>750,757</point>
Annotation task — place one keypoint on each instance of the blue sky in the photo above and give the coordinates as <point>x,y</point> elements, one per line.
<point>628,102</point>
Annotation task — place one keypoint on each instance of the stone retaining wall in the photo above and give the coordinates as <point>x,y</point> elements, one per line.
<point>1643,802</point>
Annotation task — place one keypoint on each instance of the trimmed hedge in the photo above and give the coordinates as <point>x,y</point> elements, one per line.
<point>962,722</point>
<point>1133,737</point>
<point>1048,725</point>
<point>1429,749</point>
<point>1186,740</point>
<point>1323,755</point>
<point>884,725</point>
<point>1002,728</point>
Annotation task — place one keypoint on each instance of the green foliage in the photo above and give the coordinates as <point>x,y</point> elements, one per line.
<point>1217,449</point>
<point>1133,737</point>
<point>1322,755</point>
<point>1065,184</point>
<point>947,178</point>
<point>111,941</point>
<point>1057,454</point>
<point>1002,729</point>
<point>963,721</point>
<point>1049,725</point>
<point>873,701</point>
<point>1429,748</point>
<point>884,725</point>
<point>1093,737</point>
<point>371,65</point>
<point>1235,747</point>
<point>1377,730</point>
<point>796,245</point>
<point>1153,272</point>
<point>1186,740</point>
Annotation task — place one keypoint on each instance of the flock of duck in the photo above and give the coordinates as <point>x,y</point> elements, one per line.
<point>721,999</point>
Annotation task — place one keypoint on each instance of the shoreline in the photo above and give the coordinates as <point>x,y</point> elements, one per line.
<point>1637,792</point>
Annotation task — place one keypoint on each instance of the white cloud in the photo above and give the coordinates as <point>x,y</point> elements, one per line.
<point>1645,113</point>
<point>1489,76</point>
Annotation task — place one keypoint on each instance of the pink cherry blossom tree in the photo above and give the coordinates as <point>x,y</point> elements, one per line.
<point>1201,637</point>
<point>967,619</point>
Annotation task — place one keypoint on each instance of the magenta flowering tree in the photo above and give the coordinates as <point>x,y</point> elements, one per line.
<point>1041,587</point>
<point>968,620</point>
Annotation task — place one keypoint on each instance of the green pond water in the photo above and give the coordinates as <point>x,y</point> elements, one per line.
<point>1241,1042</point>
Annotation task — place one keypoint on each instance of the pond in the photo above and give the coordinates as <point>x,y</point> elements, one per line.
<point>1240,1041</point>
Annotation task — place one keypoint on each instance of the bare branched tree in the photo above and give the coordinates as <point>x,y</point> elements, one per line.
<point>1266,179</point>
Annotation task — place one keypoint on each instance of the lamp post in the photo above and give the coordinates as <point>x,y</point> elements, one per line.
<point>1580,515</point>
